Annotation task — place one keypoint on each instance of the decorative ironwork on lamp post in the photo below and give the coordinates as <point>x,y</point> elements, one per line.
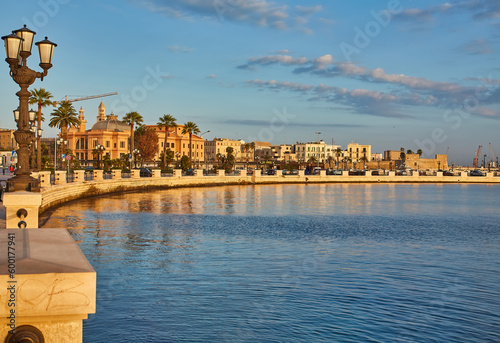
<point>18,48</point>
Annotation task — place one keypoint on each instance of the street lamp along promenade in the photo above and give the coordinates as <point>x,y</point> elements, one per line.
<point>18,48</point>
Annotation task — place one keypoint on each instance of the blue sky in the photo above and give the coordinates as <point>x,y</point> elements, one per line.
<point>394,73</point>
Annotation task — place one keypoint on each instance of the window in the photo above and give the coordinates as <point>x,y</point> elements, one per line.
<point>107,144</point>
<point>115,145</point>
<point>122,144</point>
<point>171,145</point>
<point>183,145</point>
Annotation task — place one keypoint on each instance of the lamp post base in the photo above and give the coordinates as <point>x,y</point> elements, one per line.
<point>23,183</point>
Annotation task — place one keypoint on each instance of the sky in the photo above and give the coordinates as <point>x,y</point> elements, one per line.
<point>393,73</point>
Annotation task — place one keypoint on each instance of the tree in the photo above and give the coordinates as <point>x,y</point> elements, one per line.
<point>165,122</point>
<point>419,152</point>
<point>41,97</point>
<point>170,157</point>
<point>64,117</point>
<point>329,159</point>
<point>132,118</point>
<point>338,152</point>
<point>229,160</point>
<point>147,140</point>
<point>192,129</point>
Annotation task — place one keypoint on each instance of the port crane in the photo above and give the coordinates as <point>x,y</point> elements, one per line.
<point>476,158</point>
<point>55,103</point>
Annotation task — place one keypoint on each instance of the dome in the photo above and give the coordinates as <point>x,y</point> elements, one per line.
<point>111,125</point>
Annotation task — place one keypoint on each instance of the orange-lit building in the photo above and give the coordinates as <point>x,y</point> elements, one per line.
<point>178,142</point>
<point>108,131</point>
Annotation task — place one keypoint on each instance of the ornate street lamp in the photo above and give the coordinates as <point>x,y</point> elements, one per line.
<point>18,48</point>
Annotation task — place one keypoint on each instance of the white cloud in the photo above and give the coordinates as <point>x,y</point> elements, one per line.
<point>255,12</point>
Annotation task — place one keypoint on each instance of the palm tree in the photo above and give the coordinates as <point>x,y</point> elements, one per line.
<point>192,129</point>
<point>165,122</point>
<point>329,159</point>
<point>338,152</point>
<point>42,98</point>
<point>64,117</point>
<point>132,118</point>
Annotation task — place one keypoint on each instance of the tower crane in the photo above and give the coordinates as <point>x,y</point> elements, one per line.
<point>84,98</point>
<point>476,158</point>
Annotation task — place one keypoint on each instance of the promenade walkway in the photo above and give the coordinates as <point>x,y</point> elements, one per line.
<point>2,207</point>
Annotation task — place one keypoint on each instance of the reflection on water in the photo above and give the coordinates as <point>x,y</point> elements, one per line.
<point>289,263</point>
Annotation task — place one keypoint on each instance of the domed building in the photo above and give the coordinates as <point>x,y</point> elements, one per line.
<point>108,131</point>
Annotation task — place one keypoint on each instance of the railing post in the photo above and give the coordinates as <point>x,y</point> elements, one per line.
<point>97,175</point>
<point>79,175</point>
<point>60,177</point>
<point>44,178</point>
<point>135,173</point>
<point>156,173</point>
<point>177,172</point>
<point>116,173</point>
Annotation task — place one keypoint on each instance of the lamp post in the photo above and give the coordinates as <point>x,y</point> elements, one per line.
<point>32,118</point>
<point>201,135</point>
<point>135,153</point>
<point>100,149</point>
<point>57,142</point>
<point>18,48</point>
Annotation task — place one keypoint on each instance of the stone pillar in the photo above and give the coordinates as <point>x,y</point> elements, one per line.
<point>53,287</point>
<point>439,174</point>
<point>490,174</point>
<point>116,173</point>
<point>177,172</point>
<point>243,173</point>
<point>135,173</point>
<point>302,172</point>
<point>391,173</point>
<point>97,175</point>
<point>464,174</point>
<point>60,177</point>
<point>198,172</point>
<point>221,172</point>
<point>322,173</point>
<point>21,207</point>
<point>415,173</point>
<point>79,175</point>
<point>44,178</point>
<point>345,173</point>
<point>156,173</point>
<point>279,172</point>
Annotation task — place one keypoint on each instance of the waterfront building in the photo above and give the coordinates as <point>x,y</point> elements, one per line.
<point>7,140</point>
<point>283,153</point>
<point>179,143</point>
<point>359,153</point>
<point>219,145</point>
<point>108,131</point>
<point>320,151</point>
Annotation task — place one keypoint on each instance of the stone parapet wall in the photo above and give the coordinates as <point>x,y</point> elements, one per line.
<point>59,194</point>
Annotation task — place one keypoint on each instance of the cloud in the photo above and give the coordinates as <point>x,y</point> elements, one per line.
<point>477,9</point>
<point>488,112</point>
<point>273,59</point>
<point>167,76</point>
<point>212,76</point>
<point>177,48</point>
<point>263,13</point>
<point>406,90</point>
<point>478,46</point>
<point>254,122</point>
<point>361,101</point>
